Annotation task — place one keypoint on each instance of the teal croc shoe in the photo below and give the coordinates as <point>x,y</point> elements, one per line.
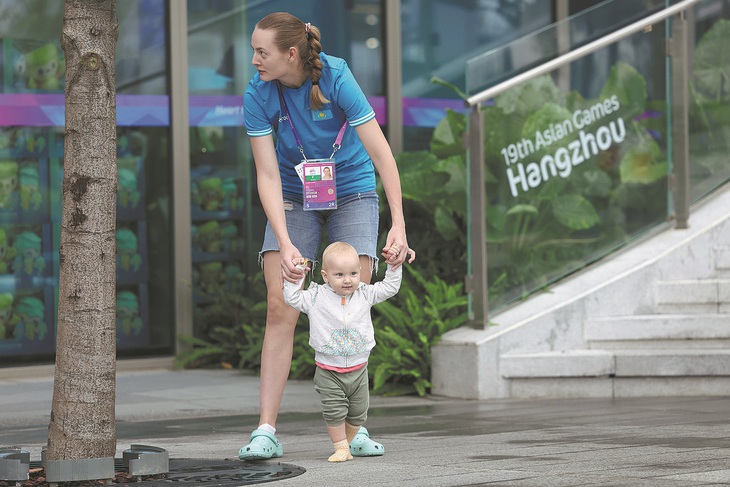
<point>263,446</point>
<point>363,446</point>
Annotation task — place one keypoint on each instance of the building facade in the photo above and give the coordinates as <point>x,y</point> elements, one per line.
<point>189,220</point>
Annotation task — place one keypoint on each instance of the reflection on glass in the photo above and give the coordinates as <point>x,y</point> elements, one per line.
<point>709,116</point>
<point>439,37</point>
<point>31,173</point>
<point>540,46</point>
<point>575,173</point>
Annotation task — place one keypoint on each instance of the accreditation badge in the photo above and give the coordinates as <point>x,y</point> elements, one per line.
<point>318,182</point>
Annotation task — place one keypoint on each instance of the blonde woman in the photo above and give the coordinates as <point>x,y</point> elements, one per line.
<point>311,101</point>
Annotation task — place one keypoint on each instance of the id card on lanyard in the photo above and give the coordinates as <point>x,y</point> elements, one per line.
<point>317,175</point>
<point>318,183</point>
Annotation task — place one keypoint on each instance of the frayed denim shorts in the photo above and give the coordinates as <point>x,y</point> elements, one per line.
<point>355,221</point>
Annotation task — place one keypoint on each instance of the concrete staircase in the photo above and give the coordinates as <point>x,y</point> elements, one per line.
<point>653,320</point>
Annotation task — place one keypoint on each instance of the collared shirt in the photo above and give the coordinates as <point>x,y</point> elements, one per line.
<point>317,128</point>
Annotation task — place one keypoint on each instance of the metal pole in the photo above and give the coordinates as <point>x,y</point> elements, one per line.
<point>562,12</point>
<point>180,135</point>
<point>476,281</point>
<point>394,75</point>
<point>679,185</point>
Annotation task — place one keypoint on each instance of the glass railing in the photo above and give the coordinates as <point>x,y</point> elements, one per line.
<point>709,99</point>
<point>558,38</point>
<point>577,159</point>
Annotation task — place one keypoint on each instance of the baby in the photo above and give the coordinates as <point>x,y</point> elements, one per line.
<point>342,335</point>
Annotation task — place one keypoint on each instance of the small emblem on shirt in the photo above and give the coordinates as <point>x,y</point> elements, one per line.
<point>318,115</point>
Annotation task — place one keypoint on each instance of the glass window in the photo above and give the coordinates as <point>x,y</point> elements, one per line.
<point>31,172</point>
<point>709,117</point>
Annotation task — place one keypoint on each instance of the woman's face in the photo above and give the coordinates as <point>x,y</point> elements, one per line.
<point>270,63</point>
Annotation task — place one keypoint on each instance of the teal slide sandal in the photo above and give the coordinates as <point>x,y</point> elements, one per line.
<point>263,445</point>
<point>363,446</point>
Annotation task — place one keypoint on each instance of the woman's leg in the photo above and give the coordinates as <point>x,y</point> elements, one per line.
<point>305,231</point>
<point>276,353</point>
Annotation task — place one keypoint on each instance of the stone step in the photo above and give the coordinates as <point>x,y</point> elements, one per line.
<point>722,259</point>
<point>617,363</point>
<point>617,387</point>
<point>693,296</point>
<point>659,331</point>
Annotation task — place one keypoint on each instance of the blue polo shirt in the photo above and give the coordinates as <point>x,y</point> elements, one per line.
<point>317,129</point>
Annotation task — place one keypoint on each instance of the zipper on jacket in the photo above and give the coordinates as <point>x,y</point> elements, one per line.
<point>344,322</point>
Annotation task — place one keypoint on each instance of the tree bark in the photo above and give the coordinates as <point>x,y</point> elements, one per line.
<point>82,424</point>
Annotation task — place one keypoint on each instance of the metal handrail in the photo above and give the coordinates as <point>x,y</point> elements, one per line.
<point>580,52</point>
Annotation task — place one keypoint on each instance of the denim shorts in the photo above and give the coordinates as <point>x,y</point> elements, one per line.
<point>355,221</point>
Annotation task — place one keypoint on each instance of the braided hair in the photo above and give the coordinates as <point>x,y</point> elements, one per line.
<point>292,32</point>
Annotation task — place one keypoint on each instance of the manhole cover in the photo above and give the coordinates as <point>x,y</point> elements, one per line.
<point>213,473</point>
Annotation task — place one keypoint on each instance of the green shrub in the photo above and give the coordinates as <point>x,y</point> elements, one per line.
<point>229,332</point>
<point>407,326</point>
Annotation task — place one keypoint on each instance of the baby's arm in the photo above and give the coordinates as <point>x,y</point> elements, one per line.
<point>387,288</point>
<point>295,296</point>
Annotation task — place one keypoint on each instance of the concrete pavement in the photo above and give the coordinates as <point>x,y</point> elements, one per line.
<point>208,414</point>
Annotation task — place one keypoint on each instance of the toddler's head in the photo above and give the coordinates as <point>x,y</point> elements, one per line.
<point>341,268</point>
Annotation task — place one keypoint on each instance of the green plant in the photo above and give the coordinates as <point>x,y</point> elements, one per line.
<point>407,326</point>
<point>230,331</point>
<point>433,185</point>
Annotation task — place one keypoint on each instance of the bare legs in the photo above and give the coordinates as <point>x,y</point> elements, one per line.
<point>276,353</point>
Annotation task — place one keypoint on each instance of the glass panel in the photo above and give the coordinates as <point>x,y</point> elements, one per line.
<point>438,37</point>
<point>540,46</point>
<point>31,172</point>
<point>709,116</point>
<point>144,271</point>
<point>27,290</point>
<point>576,164</point>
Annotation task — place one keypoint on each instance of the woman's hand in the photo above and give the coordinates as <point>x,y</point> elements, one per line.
<point>290,258</point>
<point>396,249</point>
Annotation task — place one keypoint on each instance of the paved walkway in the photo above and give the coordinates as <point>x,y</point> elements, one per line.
<point>205,414</point>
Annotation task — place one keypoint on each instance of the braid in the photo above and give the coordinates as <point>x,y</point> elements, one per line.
<point>313,65</point>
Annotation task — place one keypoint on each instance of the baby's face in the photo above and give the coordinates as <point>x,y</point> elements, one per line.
<point>342,272</point>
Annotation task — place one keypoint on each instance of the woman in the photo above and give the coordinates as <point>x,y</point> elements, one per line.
<point>312,101</point>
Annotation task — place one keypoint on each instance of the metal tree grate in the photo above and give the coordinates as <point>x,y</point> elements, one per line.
<point>214,473</point>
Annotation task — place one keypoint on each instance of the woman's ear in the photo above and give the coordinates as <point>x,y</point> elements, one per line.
<point>293,55</point>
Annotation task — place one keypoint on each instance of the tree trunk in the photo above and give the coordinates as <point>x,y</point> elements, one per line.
<point>82,422</point>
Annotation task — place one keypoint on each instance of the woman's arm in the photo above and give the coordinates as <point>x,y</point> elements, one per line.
<point>379,151</point>
<point>268,181</point>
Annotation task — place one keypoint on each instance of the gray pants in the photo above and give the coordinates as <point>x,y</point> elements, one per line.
<point>344,397</point>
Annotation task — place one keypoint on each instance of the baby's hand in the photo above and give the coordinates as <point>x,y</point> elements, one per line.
<point>391,254</point>
<point>303,264</point>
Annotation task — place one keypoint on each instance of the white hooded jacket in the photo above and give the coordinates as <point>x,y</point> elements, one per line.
<point>341,335</point>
